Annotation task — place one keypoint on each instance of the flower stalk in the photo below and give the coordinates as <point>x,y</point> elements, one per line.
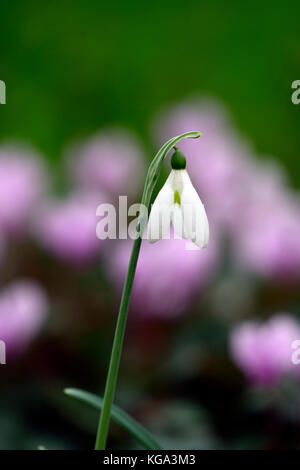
<point>111,381</point>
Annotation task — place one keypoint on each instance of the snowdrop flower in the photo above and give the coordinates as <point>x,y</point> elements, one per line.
<point>178,202</point>
<point>220,165</point>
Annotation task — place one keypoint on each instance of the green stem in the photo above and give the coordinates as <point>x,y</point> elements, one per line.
<point>112,375</point>
<point>117,349</point>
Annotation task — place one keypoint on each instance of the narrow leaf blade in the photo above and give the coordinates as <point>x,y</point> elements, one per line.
<point>118,415</point>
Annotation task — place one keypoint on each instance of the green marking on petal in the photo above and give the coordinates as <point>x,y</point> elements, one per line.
<point>177,199</point>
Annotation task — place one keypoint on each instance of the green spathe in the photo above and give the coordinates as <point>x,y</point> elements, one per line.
<point>178,161</point>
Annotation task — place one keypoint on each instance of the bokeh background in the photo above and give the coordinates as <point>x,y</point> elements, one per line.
<point>93,89</point>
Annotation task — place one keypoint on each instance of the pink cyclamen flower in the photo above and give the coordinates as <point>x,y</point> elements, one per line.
<point>111,161</point>
<point>263,351</point>
<point>167,275</point>
<point>271,246</point>
<point>22,181</point>
<point>67,227</point>
<point>267,238</point>
<point>23,310</point>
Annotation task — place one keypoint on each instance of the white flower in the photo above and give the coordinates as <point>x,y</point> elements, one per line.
<point>178,202</point>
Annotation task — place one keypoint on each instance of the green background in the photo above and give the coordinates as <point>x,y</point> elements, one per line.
<point>71,67</point>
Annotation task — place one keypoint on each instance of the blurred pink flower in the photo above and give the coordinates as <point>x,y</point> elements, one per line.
<point>267,237</point>
<point>269,245</point>
<point>265,185</point>
<point>68,227</point>
<point>263,351</point>
<point>22,181</point>
<point>167,275</point>
<point>206,115</point>
<point>112,161</point>
<point>2,248</point>
<point>23,310</point>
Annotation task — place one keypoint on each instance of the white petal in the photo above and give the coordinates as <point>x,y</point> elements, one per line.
<point>195,221</point>
<point>160,215</point>
<point>202,236</point>
<point>177,219</point>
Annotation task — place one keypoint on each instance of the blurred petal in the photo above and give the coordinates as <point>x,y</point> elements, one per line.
<point>107,161</point>
<point>22,183</point>
<point>67,228</point>
<point>263,351</point>
<point>167,277</point>
<point>23,310</point>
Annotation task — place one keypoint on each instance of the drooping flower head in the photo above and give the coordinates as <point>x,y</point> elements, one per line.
<point>247,198</point>
<point>179,202</point>
<point>219,164</point>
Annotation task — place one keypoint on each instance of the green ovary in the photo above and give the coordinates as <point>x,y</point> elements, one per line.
<point>177,198</point>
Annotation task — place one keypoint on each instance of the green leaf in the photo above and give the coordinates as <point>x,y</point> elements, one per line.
<point>120,416</point>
